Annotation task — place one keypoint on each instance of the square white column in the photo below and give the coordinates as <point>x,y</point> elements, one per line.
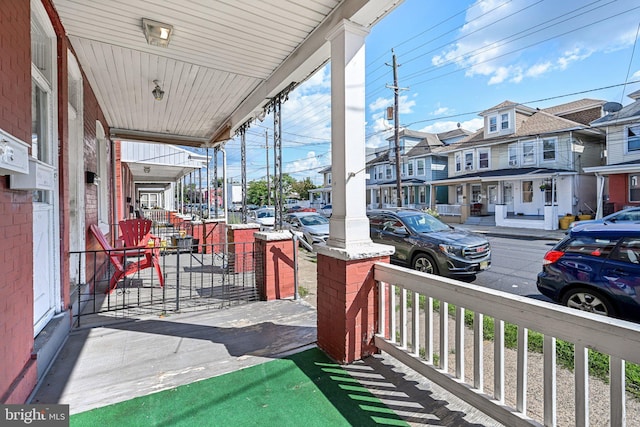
<point>349,226</point>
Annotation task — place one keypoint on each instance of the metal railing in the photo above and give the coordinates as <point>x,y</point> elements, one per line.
<point>402,319</point>
<point>196,277</point>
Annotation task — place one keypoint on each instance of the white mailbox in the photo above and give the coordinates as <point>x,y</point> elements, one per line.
<point>41,176</point>
<point>14,155</point>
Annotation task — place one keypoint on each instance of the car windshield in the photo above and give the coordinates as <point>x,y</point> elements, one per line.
<point>266,214</point>
<point>313,220</point>
<point>424,223</point>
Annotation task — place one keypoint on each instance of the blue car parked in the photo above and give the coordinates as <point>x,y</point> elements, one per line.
<point>596,268</point>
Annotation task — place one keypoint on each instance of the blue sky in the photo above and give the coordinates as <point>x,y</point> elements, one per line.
<point>458,58</point>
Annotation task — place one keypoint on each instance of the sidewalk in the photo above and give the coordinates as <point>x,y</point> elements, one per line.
<point>514,233</point>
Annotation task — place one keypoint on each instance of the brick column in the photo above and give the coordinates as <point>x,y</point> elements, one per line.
<point>274,252</point>
<point>210,232</point>
<point>240,238</point>
<point>348,301</point>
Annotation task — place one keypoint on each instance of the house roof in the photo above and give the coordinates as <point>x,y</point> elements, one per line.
<point>410,133</point>
<point>507,104</point>
<point>539,123</point>
<point>628,113</point>
<point>573,106</point>
<point>458,132</point>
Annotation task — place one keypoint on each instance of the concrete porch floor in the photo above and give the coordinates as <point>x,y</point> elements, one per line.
<point>123,360</point>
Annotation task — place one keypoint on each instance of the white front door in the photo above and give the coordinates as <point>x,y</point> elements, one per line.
<point>44,148</point>
<point>492,198</point>
<point>507,196</point>
<point>44,277</point>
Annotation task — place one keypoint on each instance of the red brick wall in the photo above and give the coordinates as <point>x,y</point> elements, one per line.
<point>347,307</point>
<point>16,256</point>
<point>619,191</point>
<point>276,280</point>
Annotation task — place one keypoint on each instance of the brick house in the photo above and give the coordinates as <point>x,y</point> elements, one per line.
<point>619,178</point>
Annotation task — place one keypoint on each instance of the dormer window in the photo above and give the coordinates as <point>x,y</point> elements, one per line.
<point>499,122</point>
<point>493,124</point>
<point>504,121</point>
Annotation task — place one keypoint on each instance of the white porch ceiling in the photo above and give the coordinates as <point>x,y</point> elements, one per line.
<point>226,58</point>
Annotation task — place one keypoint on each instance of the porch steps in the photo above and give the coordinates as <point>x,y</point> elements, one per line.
<point>487,220</point>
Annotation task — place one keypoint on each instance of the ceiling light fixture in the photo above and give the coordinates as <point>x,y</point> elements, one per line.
<point>157,33</point>
<point>158,93</point>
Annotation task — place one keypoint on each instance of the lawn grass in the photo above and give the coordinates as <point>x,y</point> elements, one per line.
<point>598,362</point>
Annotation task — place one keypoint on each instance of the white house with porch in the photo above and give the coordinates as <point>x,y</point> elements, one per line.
<point>525,166</point>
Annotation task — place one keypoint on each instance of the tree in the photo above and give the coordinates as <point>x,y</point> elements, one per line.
<point>257,192</point>
<point>303,187</point>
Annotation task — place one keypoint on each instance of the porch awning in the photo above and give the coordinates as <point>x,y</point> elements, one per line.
<point>407,182</point>
<point>505,175</point>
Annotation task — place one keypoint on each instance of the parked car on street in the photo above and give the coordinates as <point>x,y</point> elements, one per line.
<point>311,226</point>
<point>595,268</point>
<point>628,215</point>
<point>427,244</point>
<point>299,208</point>
<point>326,210</point>
<point>265,217</point>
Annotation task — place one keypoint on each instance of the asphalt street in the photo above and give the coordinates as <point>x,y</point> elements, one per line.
<point>515,264</point>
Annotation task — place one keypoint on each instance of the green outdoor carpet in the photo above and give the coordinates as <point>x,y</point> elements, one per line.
<point>304,389</point>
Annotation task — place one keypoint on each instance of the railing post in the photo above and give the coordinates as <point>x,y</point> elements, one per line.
<point>177,281</point>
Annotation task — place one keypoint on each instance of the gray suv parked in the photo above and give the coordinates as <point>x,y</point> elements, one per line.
<point>427,244</point>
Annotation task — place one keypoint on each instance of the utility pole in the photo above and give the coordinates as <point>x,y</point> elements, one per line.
<point>266,141</point>
<point>396,119</point>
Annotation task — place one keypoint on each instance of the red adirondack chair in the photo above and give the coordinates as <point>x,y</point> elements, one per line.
<point>118,257</point>
<point>137,232</point>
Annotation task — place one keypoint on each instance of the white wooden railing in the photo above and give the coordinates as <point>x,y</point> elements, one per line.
<point>449,210</point>
<point>619,339</point>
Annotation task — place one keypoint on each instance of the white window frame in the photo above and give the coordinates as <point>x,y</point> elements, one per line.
<point>482,151</point>
<point>492,124</point>
<point>458,162</point>
<point>420,167</point>
<point>512,155</point>
<point>102,160</point>
<point>634,184</point>
<point>528,159</point>
<point>505,124</point>
<point>636,139</point>
<point>469,164</point>
<point>410,168</point>
<point>543,150</point>
<point>388,172</point>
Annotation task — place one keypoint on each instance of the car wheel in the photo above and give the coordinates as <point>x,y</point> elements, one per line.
<point>425,264</point>
<point>588,300</point>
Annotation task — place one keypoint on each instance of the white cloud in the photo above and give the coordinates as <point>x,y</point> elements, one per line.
<point>538,69</point>
<point>380,104</point>
<point>448,125</point>
<point>500,39</point>
<point>441,111</point>
<point>305,167</point>
<point>574,55</point>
